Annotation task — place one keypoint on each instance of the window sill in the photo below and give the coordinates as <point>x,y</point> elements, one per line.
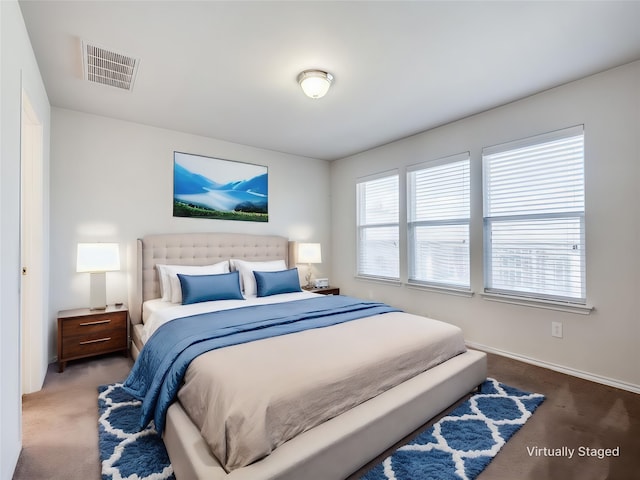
<point>459,292</point>
<point>535,303</point>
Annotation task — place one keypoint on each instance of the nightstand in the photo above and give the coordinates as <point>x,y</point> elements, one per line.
<point>85,333</point>
<point>324,290</point>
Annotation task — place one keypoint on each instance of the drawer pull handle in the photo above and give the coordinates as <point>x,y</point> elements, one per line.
<point>95,341</point>
<point>99,322</point>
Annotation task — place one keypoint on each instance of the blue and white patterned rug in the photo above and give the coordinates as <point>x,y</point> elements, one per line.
<point>125,452</point>
<point>460,445</point>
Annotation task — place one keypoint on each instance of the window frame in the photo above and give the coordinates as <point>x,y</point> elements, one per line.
<point>451,221</point>
<point>362,227</point>
<point>520,296</point>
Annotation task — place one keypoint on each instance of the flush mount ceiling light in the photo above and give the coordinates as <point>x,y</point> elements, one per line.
<point>315,83</point>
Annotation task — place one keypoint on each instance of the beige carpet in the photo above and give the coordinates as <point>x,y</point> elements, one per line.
<point>60,422</point>
<point>60,432</point>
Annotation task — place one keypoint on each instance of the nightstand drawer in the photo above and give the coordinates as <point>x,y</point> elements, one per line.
<point>94,343</point>
<point>103,322</point>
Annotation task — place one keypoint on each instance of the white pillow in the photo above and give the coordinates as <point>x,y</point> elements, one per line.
<point>174,281</point>
<point>246,269</point>
<point>165,287</point>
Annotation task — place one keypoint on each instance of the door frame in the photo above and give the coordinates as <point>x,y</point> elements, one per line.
<point>32,216</point>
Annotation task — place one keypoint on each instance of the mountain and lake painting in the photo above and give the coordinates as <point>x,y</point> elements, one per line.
<point>206,187</point>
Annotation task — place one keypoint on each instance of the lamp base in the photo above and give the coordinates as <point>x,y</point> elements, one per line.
<point>98,291</point>
<point>307,277</point>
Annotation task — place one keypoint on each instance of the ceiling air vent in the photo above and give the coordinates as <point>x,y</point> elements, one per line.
<point>108,67</point>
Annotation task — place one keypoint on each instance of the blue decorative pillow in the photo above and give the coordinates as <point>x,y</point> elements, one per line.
<point>274,283</point>
<point>205,288</point>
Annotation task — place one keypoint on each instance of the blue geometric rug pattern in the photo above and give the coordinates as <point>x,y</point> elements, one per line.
<point>458,447</point>
<point>461,445</point>
<point>125,452</point>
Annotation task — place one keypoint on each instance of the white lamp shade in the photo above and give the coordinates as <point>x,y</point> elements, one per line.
<point>98,257</point>
<point>315,83</point>
<point>309,253</point>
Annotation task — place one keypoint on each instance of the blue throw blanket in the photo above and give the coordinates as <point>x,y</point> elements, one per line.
<point>162,363</point>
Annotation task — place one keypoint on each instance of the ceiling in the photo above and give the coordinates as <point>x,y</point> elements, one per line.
<point>228,70</point>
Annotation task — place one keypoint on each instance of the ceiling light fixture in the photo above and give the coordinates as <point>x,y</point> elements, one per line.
<point>315,83</point>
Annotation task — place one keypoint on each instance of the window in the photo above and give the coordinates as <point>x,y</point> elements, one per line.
<point>534,217</point>
<point>438,222</point>
<point>378,204</point>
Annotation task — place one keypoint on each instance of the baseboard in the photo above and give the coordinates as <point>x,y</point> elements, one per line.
<point>558,368</point>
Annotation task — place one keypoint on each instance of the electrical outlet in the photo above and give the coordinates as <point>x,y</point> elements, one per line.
<point>556,329</point>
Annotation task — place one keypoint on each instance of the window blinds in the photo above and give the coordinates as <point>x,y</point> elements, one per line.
<point>534,217</point>
<point>378,230</point>
<point>438,222</point>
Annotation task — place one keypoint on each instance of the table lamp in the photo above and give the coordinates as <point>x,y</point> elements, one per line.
<point>309,253</point>
<point>96,259</point>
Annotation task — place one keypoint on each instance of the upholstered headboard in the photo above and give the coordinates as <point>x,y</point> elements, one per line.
<point>198,249</point>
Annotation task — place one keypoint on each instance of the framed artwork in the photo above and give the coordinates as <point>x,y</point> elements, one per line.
<point>207,187</point>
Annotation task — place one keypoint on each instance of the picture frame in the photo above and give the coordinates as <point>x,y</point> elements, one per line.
<point>215,188</point>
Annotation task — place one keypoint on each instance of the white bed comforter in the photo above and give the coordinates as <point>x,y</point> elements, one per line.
<point>248,399</point>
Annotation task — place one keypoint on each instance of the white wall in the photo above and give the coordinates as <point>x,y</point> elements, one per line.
<point>603,345</point>
<point>18,71</point>
<point>113,181</point>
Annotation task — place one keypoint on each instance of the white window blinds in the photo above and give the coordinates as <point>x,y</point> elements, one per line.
<point>534,217</point>
<point>438,222</point>
<point>378,216</point>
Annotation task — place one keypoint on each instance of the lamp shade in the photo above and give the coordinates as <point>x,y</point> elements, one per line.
<point>309,253</point>
<point>315,83</point>
<point>98,257</point>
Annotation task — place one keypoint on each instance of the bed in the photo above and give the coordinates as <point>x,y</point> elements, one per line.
<point>331,448</point>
